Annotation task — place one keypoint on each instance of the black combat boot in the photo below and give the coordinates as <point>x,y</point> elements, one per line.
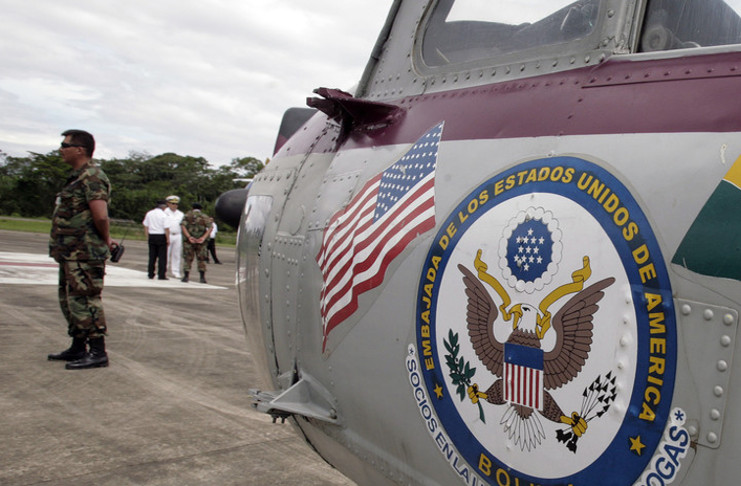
<point>95,358</point>
<point>185,277</point>
<point>203,277</point>
<point>76,351</point>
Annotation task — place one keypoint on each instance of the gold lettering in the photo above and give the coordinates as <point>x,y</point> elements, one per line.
<point>652,395</point>
<point>485,465</point>
<point>647,272</point>
<point>436,261</point>
<point>596,188</point>
<point>556,173</point>
<point>656,320</point>
<point>653,300</point>
<point>657,365</point>
<point>621,216</point>
<point>444,241</point>
<point>630,231</point>
<point>640,254</point>
<point>427,347</point>
<point>658,345</point>
<point>427,301</point>
<point>647,414</point>
<point>428,290</point>
<point>584,181</point>
<point>510,182</point>
<point>498,187</point>
<point>612,203</point>
<point>655,381</point>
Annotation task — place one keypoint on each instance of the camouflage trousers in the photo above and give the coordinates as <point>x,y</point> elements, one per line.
<point>80,285</point>
<point>200,252</point>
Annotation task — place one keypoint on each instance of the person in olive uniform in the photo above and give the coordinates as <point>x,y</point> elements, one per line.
<point>80,242</point>
<point>196,228</point>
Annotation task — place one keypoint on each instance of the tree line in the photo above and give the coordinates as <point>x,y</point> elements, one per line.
<point>29,185</point>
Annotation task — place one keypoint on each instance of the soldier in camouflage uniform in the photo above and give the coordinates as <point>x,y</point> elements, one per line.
<point>196,228</point>
<point>80,242</point>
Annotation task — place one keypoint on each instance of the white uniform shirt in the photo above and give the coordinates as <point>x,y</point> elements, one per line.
<point>174,219</point>
<point>156,221</point>
<point>214,230</point>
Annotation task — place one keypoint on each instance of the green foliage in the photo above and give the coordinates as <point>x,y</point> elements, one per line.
<point>129,230</point>
<point>24,224</point>
<point>246,167</point>
<point>461,372</point>
<point>28,185</point>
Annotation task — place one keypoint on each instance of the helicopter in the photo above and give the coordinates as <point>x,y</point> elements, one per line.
<point>510,256</point>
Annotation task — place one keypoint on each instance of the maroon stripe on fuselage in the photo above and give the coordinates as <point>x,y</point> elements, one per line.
<point>685,94</point>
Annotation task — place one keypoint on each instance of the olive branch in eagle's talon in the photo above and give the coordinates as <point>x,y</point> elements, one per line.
<point>461,372</point>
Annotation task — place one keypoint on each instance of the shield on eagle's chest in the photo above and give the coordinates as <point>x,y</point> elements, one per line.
<point>523,376</point>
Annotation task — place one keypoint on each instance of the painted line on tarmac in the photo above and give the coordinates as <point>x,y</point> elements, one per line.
<point>36,269</point>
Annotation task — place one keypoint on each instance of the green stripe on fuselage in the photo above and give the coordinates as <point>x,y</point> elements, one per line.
<point>712,246</point>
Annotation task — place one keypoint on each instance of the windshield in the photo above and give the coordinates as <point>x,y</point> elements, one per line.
<point>680,24</point>
<point>460,31</point>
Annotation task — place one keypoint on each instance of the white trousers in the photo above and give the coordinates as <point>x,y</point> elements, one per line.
<point>174,254</point>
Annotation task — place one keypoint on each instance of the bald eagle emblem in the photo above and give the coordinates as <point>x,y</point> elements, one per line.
<point>542,352</point>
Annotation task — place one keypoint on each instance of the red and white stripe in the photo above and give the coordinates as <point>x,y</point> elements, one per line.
<point>356,251</point>
<point>523,385</point>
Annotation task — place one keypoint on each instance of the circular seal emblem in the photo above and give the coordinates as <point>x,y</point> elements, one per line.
<point>546,339</point>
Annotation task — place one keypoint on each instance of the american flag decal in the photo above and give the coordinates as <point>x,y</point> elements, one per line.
<point>362,239</point>
<point>523,375</point>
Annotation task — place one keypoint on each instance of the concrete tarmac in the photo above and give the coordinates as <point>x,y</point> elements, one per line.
<point>171,409</point>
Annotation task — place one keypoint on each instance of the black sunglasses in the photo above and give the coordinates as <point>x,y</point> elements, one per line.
<point>68,145</point>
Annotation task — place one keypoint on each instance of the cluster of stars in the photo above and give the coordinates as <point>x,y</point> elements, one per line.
<point>528,250</point>
<point>401,177</point>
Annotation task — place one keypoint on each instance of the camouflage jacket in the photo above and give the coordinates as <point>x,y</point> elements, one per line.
<point>73,233</point>
<point>196,223</point>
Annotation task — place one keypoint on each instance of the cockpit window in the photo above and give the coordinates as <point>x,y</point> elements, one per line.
<point>679,24</point>
<point>461,31</point>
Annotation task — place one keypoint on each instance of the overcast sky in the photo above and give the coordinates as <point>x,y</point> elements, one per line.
<point>208,78</point>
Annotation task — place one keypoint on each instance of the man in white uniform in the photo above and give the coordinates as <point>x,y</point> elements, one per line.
<point>175,248</point>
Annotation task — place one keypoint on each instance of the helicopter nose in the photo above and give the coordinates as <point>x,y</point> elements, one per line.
<point>229,206</point>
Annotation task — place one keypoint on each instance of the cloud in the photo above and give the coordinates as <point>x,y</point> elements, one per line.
<point>208,78</point>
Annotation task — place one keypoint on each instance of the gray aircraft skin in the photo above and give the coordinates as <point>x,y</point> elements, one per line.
<point>513,255</point>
